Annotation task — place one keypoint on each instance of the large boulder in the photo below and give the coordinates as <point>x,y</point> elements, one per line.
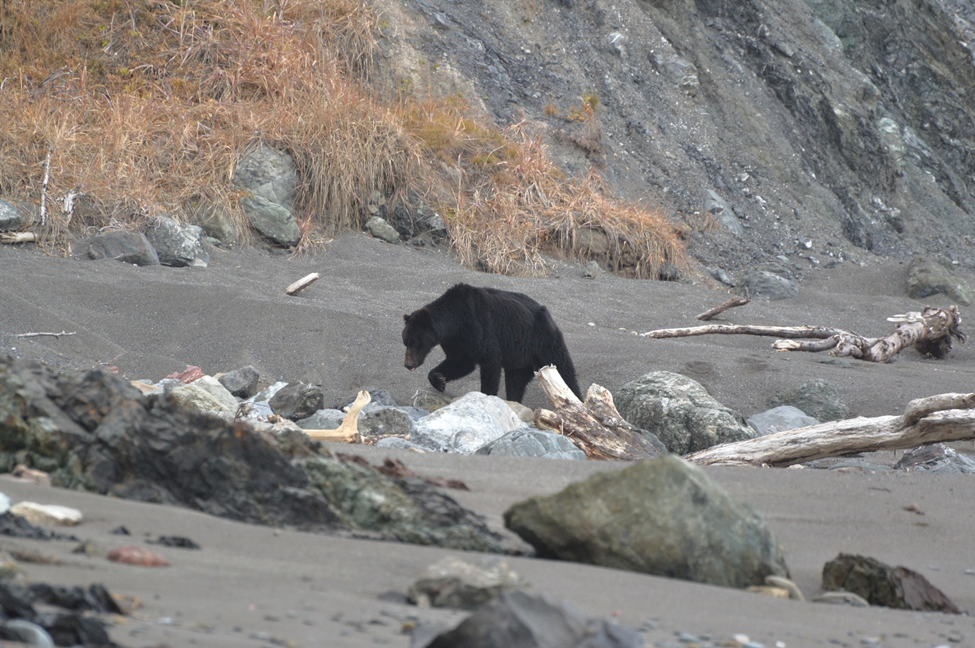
<point>927,277</point>
<point>661,516</point>
<point>467,424</point>
<point>269,173</point>
<point>680,412</point>
<point>125,246</point>
<point>275,222</point>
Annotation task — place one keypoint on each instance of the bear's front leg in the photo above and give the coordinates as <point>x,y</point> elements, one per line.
<point>449,369</point>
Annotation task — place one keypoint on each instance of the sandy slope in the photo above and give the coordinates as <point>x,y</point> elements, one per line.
<point>249,585</point>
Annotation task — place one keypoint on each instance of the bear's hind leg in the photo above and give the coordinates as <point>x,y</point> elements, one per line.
<point>449,369</point>
<point>490,379</point>
<point>516,381</point>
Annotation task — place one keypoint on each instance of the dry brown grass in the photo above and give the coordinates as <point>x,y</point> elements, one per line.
<point>142,107</point>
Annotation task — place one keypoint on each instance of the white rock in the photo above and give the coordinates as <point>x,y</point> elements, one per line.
<point>47,513</point>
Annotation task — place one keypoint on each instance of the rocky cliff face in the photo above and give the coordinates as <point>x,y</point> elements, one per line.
<point>820,130</point>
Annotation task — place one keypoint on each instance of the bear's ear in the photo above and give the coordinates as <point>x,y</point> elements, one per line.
<point>406,317</point>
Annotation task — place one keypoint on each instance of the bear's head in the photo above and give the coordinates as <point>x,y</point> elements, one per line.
<point>419,337</point>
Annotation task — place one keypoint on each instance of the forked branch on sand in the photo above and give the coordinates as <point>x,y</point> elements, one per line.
<point>930,331</point>
<point>599,430</point>
<point>348,431</point>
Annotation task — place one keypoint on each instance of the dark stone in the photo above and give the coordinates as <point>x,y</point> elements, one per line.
<point>175,541</point>
<point>881,584</point>
<point>297,401</point>
<point>94,599</point>
<point>125,246</point>
<point>14,526</point>
<point>520,620</point>
<point>241,382</point>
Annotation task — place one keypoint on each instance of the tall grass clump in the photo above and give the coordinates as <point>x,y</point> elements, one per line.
<point>135,108</point>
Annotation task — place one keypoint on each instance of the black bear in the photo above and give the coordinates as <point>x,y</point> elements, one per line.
<point>492,328</point>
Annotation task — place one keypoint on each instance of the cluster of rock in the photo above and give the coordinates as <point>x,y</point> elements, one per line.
<point>95,431</point>
<point>269,180</point>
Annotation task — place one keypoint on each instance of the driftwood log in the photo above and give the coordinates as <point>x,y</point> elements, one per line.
<point>594,426</point>
<point>17,237</point>
<point>930,331</point>
<point>936,419</point>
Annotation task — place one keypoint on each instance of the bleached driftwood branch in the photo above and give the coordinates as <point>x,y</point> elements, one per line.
<point>931,331</point>
<point>936,419</point>
<point>594,426</point>
<point>734,302</point>
<point>41,334</point>
<point>17,237</point>
<point>348,431</point>
<point>301,284</point>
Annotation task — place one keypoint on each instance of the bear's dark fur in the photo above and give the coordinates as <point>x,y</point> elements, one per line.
<point>493,329</point>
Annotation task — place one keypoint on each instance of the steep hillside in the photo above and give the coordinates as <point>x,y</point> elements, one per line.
<point>822,130</point>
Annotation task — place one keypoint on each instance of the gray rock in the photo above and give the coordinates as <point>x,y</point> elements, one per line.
<point>881,584</point>
<point>777,419</point>
<point>213,387</point>
<point>269,173</point>
<point>241,382</point>
<point>816,398</point>
<point>178,245</point>
<point>530,442</point>
<point>719,209</point>
<point>125,246</point>
<point>11,218</point>
<point>520,620</point>
<point>399,444</point>
<point>763,282</point>
<point>463,585</point>
<point>196,397</point>
<point>273,221</point>
<point>217,223</point>
<point>465,425</point>
<point>661,516</point>
<point>323,419</point>
<point>927,277</point>
<point>429,400</point>
<point>379,228</point>
<point>384,421</point>
<point>297,401</point>
<point>407,509</point>
<point>936,458</point>
<point>678,410</point>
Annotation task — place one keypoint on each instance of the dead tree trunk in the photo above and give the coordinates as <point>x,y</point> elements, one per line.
<point>946,417</point>
<point>930,331</point>
<point>594,426</point>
